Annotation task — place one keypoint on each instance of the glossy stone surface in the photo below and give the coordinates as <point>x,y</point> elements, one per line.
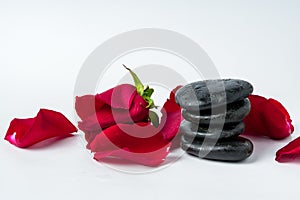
<point>235,113</point>
<point>191,131</point>
<point>212,93</point>
<point>231,150</point>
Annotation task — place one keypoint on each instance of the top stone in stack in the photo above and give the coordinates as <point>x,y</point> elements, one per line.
<point>207,94</point>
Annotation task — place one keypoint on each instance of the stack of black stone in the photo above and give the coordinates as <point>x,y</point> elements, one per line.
<point>214,111</point>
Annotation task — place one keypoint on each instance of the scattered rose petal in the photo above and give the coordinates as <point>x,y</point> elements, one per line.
<point>47,124</point>
<point>140,142</point>
<point>268,117</point>
<point>290,152</point>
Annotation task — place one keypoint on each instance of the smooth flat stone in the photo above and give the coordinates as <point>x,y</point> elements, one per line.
<point>235,113</point>
<point>233,150</point>
<point>191,131</point>
<point>212,93</point>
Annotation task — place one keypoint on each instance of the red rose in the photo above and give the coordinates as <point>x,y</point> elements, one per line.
<point>141,142</point>
<point>121,104</point>
<point>117,123</point>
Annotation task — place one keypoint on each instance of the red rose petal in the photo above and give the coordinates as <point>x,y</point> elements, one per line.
<point>120,96</point>
<point>255,123</point>
<point>129,136</point>
<point>121,104</point>
<point>116,141</point>
<point>140,142</point>
<point>290,152</point>
<point>279,124</point>
<point>171,118</point>
<point>86,106</point>
<point>89,137</point>
<point>138,111</point>
<point>268,117</point>
<point>284,116</point>
<point>173,93</point>
<point>151,159</point>
<point>47,124</point>
<point>106,116</point>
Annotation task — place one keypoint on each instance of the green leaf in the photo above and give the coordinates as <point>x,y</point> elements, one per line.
<point>154,118</point>
<point>145,93</point>
<point>137,82</point>
<point>150,102</point>
<point>148,91</point>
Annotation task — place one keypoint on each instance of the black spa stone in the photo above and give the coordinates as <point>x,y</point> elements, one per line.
<point>235,113</point>
<point>230,150</point>
<point>212,93</point>
<point>192,131</point>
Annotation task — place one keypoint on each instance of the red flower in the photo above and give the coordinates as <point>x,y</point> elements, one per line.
<point>116,123</point>
<point>47,124</point>
<point>141,142</point>
<point>121,104</point>
<point>290,152</point>
<point>268,117</point>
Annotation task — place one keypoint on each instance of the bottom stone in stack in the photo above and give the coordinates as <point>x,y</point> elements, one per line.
<point>233,149</point>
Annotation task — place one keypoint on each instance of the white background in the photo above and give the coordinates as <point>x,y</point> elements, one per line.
<point>44,43</point>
